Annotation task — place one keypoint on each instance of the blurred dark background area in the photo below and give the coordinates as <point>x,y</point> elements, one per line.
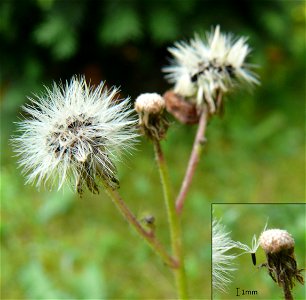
<point>125,42</point>
<point>255,152</point>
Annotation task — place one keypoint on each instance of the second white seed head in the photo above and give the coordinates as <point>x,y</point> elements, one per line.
<point>202,67</point>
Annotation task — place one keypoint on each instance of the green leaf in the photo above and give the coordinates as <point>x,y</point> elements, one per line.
<point>45,4</point>
<point>36,283</point>
<point>120,26</point>
<point>49,31</point>
<point>163,25</point>
<point>91,283</point>
<point>56,204</point>
<point>55,33</point>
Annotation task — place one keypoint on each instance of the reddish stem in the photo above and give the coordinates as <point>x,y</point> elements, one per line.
<point>193,160</point>
<point>148,236</point>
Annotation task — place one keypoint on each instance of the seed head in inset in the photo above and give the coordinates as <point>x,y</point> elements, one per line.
<point>150,108</point>
<point>276,240</point>
<point>281,263</point>
<point>203,69</point>
<point>74,133</point>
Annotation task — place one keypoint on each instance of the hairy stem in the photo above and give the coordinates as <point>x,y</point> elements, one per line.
<point>148,236</point>
<point>287,292</point>
<point>193,160</point>
<point>174,223</point>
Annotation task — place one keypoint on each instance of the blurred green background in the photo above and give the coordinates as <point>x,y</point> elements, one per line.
<point>55,245</point>
<point>245,220</point>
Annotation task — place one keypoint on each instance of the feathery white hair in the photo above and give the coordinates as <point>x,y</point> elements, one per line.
<point>74,131</point>
<point>222,262</point>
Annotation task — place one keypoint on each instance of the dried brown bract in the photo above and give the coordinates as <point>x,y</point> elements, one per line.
<point>183,110</point>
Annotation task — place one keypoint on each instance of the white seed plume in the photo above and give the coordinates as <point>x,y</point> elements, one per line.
<point>203,67</point>
<point>255,243</point>
<point>222,262</point>
<point>74,133</point>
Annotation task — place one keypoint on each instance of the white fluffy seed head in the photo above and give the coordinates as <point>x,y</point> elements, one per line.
<point>203,67</point>
<point>275,240</point>
<point>150,103</point>
<point>74,132</point>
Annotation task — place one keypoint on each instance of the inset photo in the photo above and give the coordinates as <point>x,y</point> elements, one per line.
<point>258,251</point>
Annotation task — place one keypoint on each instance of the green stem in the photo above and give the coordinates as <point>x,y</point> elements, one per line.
<point>148,236</point>
<point>174,223</point>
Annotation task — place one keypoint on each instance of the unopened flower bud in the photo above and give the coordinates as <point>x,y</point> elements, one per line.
<point>150,103</point>
<point>149,223</point>
<point>150,108</point>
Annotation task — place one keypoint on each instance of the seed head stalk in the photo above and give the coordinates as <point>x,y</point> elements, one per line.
<point>174,223</point>
<point>148,236</point>
<point>193,160</point>
<point>287,292</point>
